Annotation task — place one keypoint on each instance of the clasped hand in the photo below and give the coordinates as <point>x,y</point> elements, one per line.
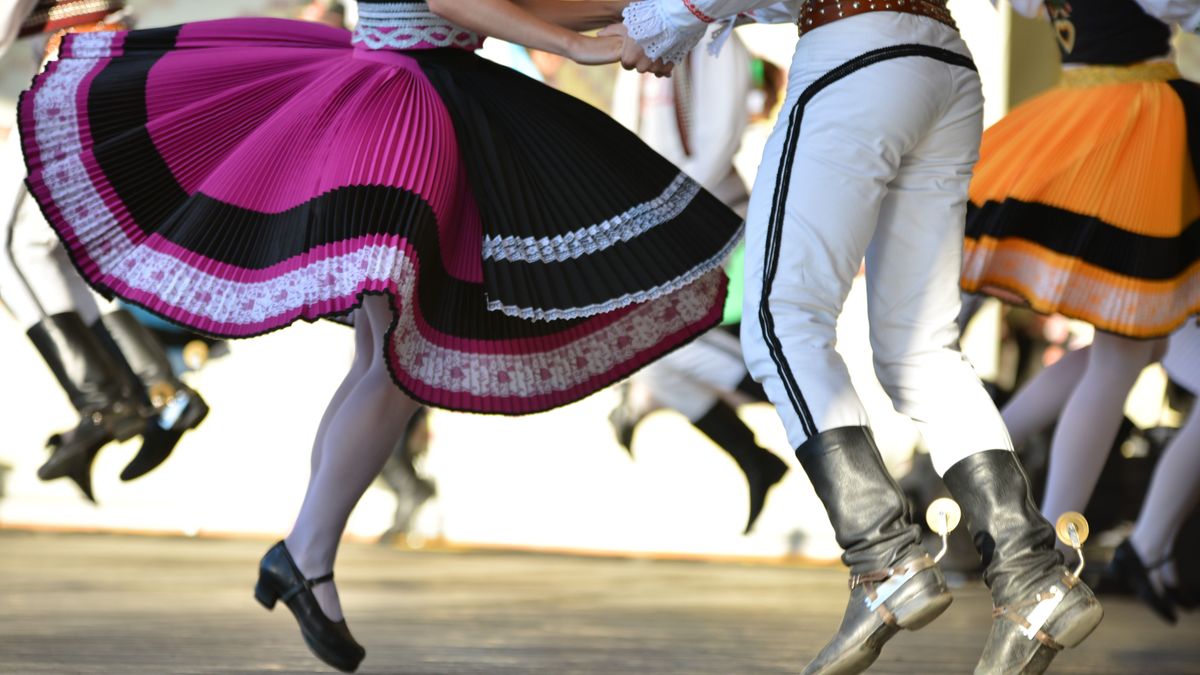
<point>612,44</point>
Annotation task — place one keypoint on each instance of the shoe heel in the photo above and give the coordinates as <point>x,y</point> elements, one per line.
<point>922,612</point>
<point>1079,623</point>
<point>925,606</point>
<point>265,595</point>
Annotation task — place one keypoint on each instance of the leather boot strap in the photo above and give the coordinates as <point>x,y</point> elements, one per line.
<point>868,581</point>
<point>1011,612</point>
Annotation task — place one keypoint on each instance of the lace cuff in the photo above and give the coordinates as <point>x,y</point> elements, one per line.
<point>649,26</point>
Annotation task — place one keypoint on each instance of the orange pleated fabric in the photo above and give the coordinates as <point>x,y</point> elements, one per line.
<point>1084,203</point>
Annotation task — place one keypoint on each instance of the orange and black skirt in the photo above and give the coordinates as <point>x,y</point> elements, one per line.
<point>1085,201</point>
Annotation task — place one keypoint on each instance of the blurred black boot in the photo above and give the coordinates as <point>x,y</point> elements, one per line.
<point>1128,573</point>
<point>171,407</point>
<point>894,583</point>
<point>1039,607</point>
<point>94,384</point>
<point>760,466</point>
<point>400,474</point>
<point>623,419</point>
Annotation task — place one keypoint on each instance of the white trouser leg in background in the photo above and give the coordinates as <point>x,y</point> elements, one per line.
<point>875,163</point>
<point>692,378</point>
<point>37,278</point>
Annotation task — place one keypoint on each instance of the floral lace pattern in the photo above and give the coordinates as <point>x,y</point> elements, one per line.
<point>642,331</point>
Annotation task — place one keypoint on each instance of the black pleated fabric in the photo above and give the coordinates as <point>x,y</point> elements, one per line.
<point>544,165</point>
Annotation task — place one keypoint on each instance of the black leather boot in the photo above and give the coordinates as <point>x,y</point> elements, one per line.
<point>172,408</point>
<point>280,579</point>
<point>894,584</point>
<point>94,384</point>
<point>1127,573</point>
<point>760,466</point>
<point>1040,607</point>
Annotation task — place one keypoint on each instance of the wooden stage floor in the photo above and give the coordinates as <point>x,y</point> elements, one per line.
<point>115,604</point>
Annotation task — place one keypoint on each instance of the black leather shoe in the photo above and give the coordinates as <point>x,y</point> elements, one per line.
<point>280,579</point>
<point>170,407</point>
<point>164,429</point>
<point>71,456</point>
<point>94,384</point>
<point>1126,571</point>
<point>1183,599</point>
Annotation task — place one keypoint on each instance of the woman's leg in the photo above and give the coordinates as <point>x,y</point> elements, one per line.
<point>1040,402</point>
<point>1172,496</point>
<point>364,352</point>
<point>1089,422</point>
<point>358,439</point>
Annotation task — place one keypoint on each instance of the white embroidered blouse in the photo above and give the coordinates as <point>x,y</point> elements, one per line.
<point>670,29</point>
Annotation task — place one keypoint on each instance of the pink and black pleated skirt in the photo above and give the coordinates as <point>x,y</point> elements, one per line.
<point>236,176</point>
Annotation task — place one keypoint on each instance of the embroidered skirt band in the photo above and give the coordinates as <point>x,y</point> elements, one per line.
<point>408,25</point>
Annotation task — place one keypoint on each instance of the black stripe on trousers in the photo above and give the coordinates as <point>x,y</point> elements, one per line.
<point>780,196</point>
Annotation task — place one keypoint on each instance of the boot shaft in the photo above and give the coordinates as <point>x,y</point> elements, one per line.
<point>722,426</point>
<point>143,355</point>
<point>83,367</point>
<point>131,386</point>
<point>868,511</point>
<point>1014,540</point>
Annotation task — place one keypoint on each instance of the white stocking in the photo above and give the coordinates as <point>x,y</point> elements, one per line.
<point>357,441</point>
<point>1037,404</point>
<point>364,352</point>
<point>1090,420</point>
<point>1173,494</point>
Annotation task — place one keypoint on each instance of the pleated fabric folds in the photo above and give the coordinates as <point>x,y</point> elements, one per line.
<point>1085,203</point>
<point>236,176</point>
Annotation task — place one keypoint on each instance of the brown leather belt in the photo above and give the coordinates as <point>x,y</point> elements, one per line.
<point>817,13</point>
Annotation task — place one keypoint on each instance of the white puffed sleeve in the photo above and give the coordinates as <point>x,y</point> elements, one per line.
<point>668,30</point>
<point>1186,13</point>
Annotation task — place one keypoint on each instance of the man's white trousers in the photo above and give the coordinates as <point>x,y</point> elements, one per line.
<point>871,159</point>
